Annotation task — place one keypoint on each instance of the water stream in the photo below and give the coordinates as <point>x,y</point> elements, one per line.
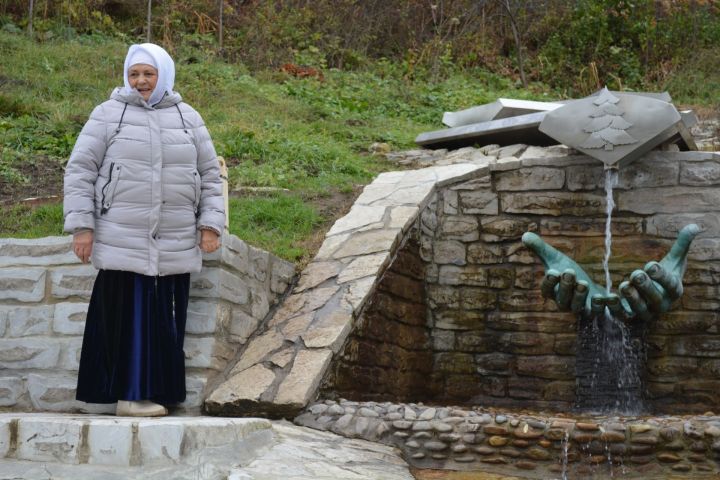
<point>611,180</point>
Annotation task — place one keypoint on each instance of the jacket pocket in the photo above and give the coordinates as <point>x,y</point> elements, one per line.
<point>198,190</point>
<point>108,190</point>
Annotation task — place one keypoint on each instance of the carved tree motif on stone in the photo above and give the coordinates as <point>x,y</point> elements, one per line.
<point>607,125</point>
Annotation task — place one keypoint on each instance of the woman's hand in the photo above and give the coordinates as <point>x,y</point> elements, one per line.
<point>209,241</point>
<point>82,245</point>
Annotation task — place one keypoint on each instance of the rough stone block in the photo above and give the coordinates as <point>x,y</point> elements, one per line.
<point>364,243</point>
<point>37,251</point>
<point>69,318</point>
<point>585,177</point>
<point>484,254</point>
<point>70,353</point>
<point>56,393</point>
<point>242,325</point>
<point>449,251</point>
<point>330,330</point>
<point>246,386</point>
<point>233,253</point>
<point>11,388</point>
<point>258,348</point>
<point>206,317</point>
<point>496,229</point>
<point>523,179</point>
<point>195,388</point>
<point>259,264</point>
<point>590,227</point>
<point>695,346</point>
<point>670,225</point>
<point>221,284</point>
<point>450,202</point>
<point>553,203</point>
<point>526,343</point>
<point>673,200</point>
<point>705,249</point>
<point>22,284</point>
<point>651,171</point>
<point>110,442</point>
<point>73,281</point>
<point>459,227</point>
<point>29,353</point>
<point>699,174</point>
<point>28,321</point>
<point>361,267</point>
<point>359,216</point>
<point>474,275</point>
<point>5,436</point>
<point>556,322</point>
<point>49,439</point>
<point>302,382</point>
<point>207,352</point>
<point>482,202</point>
<point>547,366</point>
<point>259,302</point>
<point>160,441</point>
<point>282,275</point>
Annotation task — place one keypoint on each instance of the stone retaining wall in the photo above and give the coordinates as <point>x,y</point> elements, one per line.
<point>44,291</point>
<point>491,337</point>
<point>531,446</point>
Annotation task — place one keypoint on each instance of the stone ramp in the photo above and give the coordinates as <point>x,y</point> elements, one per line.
<point>51,446</point>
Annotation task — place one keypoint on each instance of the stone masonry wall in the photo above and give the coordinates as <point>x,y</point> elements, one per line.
<point>388,354</point>
<point>44,292</point>
<point>493,333</point>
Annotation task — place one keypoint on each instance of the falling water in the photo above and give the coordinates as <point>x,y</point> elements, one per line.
<point>610,372</point>
<point>611,180</point>
<point>565,446</point>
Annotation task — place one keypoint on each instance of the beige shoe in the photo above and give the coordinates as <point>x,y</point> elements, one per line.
<point>142,408</point>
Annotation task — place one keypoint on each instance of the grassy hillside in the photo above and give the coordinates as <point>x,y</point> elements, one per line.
<point>297,148</point>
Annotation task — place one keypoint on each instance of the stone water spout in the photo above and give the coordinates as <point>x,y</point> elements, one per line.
<point>646,293</point>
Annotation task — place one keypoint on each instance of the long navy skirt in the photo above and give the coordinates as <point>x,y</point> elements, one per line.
<point>133,343</point>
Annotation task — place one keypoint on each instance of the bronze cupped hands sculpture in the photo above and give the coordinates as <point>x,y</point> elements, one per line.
<point>648,292</point>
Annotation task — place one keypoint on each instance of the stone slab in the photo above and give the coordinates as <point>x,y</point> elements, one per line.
<point>247,385</point>
<point>37,251</point>
<point>23,284</point>
<point>298,388</point>
<point>219,283</point>
<point>73,281</point>
<point>69,318</point>
<point>110,442</point>
<point>505,131</point>
<point>500,108</point>
<point>49,439</point>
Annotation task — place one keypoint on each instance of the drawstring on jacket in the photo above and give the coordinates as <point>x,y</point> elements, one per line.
<point>117,130</point>
<point>181,118</point>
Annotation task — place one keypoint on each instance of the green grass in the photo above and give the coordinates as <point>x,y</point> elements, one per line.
<point>303,135</point>
<point>24,221</point>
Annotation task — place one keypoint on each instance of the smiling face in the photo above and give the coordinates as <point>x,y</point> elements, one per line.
<point>143,78</point>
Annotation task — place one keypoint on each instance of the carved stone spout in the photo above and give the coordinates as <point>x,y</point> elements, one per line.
<point>648,292</point>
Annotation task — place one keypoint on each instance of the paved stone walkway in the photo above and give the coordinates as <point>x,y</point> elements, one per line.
<point>281,451</point>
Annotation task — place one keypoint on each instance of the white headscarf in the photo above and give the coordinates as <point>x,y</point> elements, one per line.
<point>155,55</point>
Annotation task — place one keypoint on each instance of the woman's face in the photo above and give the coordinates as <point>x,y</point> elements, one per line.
<point>143,78</point>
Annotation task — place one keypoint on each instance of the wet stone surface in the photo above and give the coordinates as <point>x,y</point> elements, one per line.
<point>529,445</point>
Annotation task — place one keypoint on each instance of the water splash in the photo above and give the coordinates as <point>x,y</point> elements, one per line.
<point>565,446</point>
<point>611,181</point>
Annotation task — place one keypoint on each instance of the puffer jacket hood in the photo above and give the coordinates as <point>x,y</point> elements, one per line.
<point>165,67</point>
<point>145,179</point>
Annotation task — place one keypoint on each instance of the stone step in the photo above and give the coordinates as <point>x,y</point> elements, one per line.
<point>128,442</point>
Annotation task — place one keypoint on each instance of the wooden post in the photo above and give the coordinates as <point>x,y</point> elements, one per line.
<point>221,4</point>
<point>149,21</point>
<point>226,192</point>
<point>30,18</point>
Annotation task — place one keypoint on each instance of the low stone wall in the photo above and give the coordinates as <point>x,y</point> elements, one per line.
<point>531,446</point>
<point>44,291</point>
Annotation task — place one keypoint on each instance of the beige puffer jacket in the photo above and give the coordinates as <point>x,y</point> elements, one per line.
<point>145,180</point>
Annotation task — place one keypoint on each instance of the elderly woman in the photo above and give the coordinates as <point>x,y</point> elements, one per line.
<point>143,198</point>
